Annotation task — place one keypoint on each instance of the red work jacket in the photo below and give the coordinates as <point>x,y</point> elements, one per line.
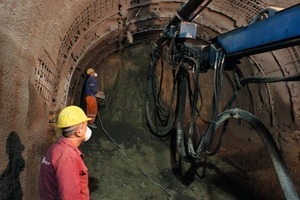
<point>63,174</point>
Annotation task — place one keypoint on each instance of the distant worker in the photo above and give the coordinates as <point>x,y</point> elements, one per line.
<point>63,174</point>
<point>91,90</point>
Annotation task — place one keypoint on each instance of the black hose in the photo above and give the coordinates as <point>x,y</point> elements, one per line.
<point>163,120</point>
<point>285,180</point>
<point>269,79</point>
<point>181,110</point>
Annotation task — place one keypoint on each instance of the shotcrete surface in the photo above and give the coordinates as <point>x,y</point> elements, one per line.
<point>126,161</point>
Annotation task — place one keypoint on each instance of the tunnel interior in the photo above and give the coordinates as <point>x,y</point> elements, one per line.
<point>47,69</point>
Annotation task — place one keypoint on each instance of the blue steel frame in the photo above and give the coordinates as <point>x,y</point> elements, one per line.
<point>277,31</point>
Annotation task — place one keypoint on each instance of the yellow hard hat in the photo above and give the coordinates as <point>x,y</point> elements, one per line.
<point>71,116</point>
<point>90,70</point>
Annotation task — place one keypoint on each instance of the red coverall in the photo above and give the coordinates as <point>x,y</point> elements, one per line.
<point>63,174</point>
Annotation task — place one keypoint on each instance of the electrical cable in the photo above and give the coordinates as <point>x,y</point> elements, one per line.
<point>241,84</point>
<point>207,139</point>
<point>129,159</point>
<point>160,130</point>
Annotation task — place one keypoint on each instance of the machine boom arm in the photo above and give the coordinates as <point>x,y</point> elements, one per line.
<point>277,31</point>
<point>271,30</point>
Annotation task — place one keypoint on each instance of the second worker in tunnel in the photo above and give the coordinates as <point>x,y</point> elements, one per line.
<point>91,89</point>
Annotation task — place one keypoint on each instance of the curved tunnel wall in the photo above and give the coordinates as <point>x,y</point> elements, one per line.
<point>46,48</point>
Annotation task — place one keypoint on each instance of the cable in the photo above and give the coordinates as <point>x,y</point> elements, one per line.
<point>163,129</point>
<point>129,159</point>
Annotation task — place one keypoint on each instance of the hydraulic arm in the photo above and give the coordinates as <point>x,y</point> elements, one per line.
<point>271,29</point>
<point>278,30</point>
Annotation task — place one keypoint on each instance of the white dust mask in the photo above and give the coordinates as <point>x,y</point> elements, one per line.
<point>88,134</point>
<point>95,75</point>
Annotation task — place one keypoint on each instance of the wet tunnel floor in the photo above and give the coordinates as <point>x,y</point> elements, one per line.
<point>121,172</point>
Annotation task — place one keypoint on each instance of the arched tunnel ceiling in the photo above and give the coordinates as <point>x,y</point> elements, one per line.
<point>104,28</point>
<point>99,32</point>
<point>144,21</point>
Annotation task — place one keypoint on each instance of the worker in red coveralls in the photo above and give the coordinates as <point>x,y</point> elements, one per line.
<point>91,90</point>
<point>63,174</point>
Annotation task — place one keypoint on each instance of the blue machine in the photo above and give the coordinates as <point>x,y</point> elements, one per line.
<point>271,29</point>
<point>282,29</point>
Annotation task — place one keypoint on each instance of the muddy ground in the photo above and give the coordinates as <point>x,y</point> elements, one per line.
<point>127,162</point>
